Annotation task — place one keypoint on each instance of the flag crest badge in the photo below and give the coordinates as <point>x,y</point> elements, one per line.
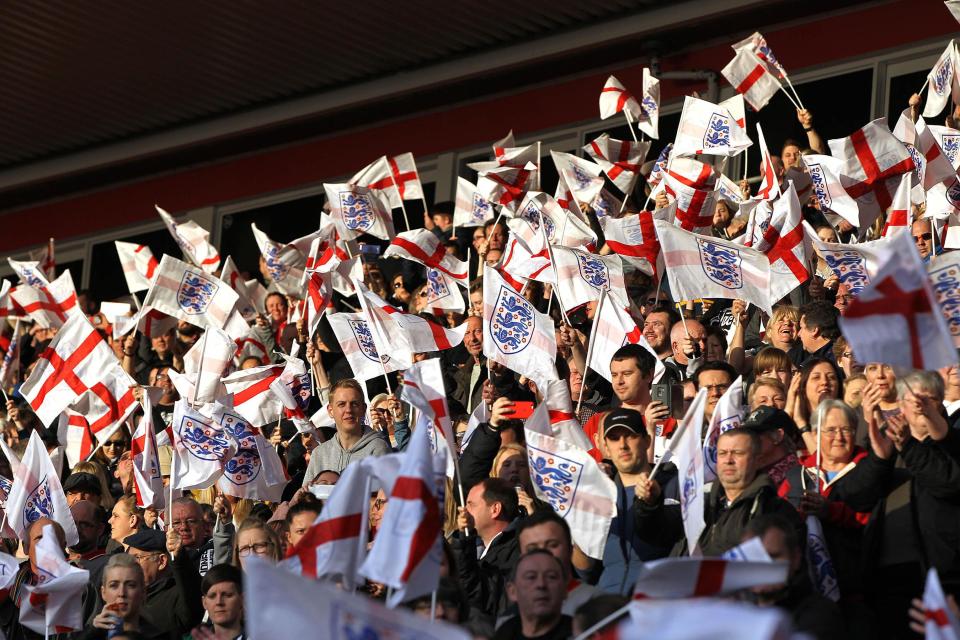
<point>244,467</point>
<point>950,143</point>
<point>202,440</point>
<point>946,284</point>
<point>593,270</point>
<point>531,213</point>
<point>437,288</point>
<point>365,339</point>
<point>556,477</point>
<point>717,133</point>
<point>512,323</point>
<point>196,292</point>
<point>38,503</point>
<point>723,265</point>
<point>358,214</point>
<point>275,267</point>
<point>819,181</point>
<point>481,209</point>
<point>850,267</point>
<point>940,81</point>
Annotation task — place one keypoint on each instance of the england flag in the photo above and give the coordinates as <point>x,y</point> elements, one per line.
<point>193,240</point>
<point>188,293</point>
<point>707,128</point>
<point>201,448</point>
<point>581,276</point>
<point>613,328</point>
<point>687,454</point>
<point>472,209</point>
<point>728,414</point>
<point>942,82</point>
<point>615,98</point>
<point>634,239</point>
<point>284,263</point>
<point>619,159</point>
<point>423,246</point>
<point>255,471</point>
<point>147,480</point>
<point>825,173</point>
<point>357,210</point>
<point>37,493</point>
<point>138,265</point>
<point>649,105</point>
<point>580,176</point>
<point>749,75</point>
<point>356,339</point>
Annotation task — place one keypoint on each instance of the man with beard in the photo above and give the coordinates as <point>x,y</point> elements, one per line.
<point>656,331</point>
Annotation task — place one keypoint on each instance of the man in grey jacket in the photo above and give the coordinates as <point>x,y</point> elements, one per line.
<point>352,441</point>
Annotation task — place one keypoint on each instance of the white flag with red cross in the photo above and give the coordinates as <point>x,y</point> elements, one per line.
<point>423,246</point>
<point>442,293</point>
<point>55,603</point>
<point>73,433</point>
<point>633,238</point>
<point>138,265</point>
<point>691,184</point>
<point>941,623</point>
<point>187,293</point>
<point>562,226</point>
<point>46,259</point>
<point>147,479</point>
<point>581,276</point>
<point>659,167</point>
<point>37,493</point>
<point>293,387</point>
<point>933,165</point>
<point>520,264</point>
<point>708,128</point>
<point>687,453</point>
<point>614,328</point>
<point>251,294</point>
<point>824,174</point>
<point>252,397</point>
<point>406,552</point>
<point>49,305</point>
<point>615,98</point>
<point>318,299</point>
<point>404,330</point>
<point>942,82</point>
<point>581,177</point>
<point>506,186</point>
<point>210,357</point>
<point>423,388</point>
<point>472,209</point>
<point>674,578</point>
<point>563,421</point>
<point>649,119</point>
<point>758,45</point>
<point>770,185</point>
<point>284,263</point>
<point>620,159</point>
<point>900,214</point>
<point>255,471</point>
<point>749,75</point>
<point>684,620</point>
<point>395,176</point>
<point>784,242</point>
<point>949,140</point>
<point>330,256</point>
<point>201,448</point>
<point>29,272</point>
<point>357,210</point>
<point>706,267</point>
<point>874,160</point>
<point>355,338</point>
<point>193,240</point>
<point>899,301</point>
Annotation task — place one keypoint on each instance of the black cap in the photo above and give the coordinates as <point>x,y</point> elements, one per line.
<point>147,540</point>
<point>765,418</point>
<point>626,418</point>
<point>81,481</point>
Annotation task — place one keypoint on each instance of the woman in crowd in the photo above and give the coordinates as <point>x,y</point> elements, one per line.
<point>819,379</point>
<point>123,594</point>
<point>254,537</point>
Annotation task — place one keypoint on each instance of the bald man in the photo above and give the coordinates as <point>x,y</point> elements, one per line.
<point>687,349</point>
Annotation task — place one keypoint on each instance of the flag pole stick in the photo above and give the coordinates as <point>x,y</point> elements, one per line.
<point>403,207</point>
<point>203,354</point>
<point>604,622</point>
<point>426,209</point>
<point>746,165</point>
<point>629,192</point>
<point>819,440</point>
<point>926,82</point>
<point>433,605</point>
<point>590,344</point>
<point>792,100</point>
<point>626,115</point>
<point>364,535</point>
<point>795,94</point>
<point>173,464</point>
<point>539,162</point>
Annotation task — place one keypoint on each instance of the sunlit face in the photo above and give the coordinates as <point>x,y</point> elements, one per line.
<point>497,239</point>
<point>629,383</point>
<point>299,525</point>
<point>837,434</point>
<point>656,331</point>
<point>882,376</point>
<point>827,234</point>
<point>122,522</point>
<point>122,591</point>
<point>627,449</point>
<point>549,536</point>
<point>853,392</point>
<point>276,307</point>
<point>922,237</point>
<point>766,396</point>
<point>514,469</point>
<point>715,350</point>
<point>478,237</point>
<point>790,156</point>
<point>822,383</point>
<point>782,373</point>
<point>784,330</point>
<point>716,383</point>
<point>347,408</point>
<point>473,338</point>
<point>254,542</point>
<point>736,462</point>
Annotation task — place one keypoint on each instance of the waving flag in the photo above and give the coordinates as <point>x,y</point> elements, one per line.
<point>854,264</point>
<point>472,209</point>
<point>691,184</point>
<point>73,433</point>
<point>822,574</point>
<point>255,471</point>
<point>520,263</point>
<point>357,210</point>
<point>355,338</point>
<point>404,330</point>
<point>37,493</point>
<point>659,167</point>
<point>941,622</point>
<point>949,141</point>
<point>687,453</point>
<point>395,176</point>
<point>423,389</point>
<point>49,305</point>
<point>758,45</point>
<point>899,301</point>
<point>563,422</point>
<point>138,265</point>
<point>900,215</point>
<point>29,272</point>
<point>189,294</point>
<point>581,276</point>
<point>284,262</point>
<point>443,293</point>
<point>619,159</point>
<point>570,481</point>
<point>634,239</point>
<point>732,271</point>
<point>728,414</point>
<point>613,328</point>
<point>942,82</point>
<point>201,446</point>
<point>785,245</point>
<point>56,603</point>
<point>944,272</point>
<point>770,186</point>
<point>562,226</point>
<point>831,196</point>
<point>749,75</point>
<point>581,177</point>
<point>505,186</point>
<point>615,98</point>
<point>252,398</point>
<point>515,334</point>
<point>294,389</point>
<point>707,128</point>
<point>423,246</point>
<point>704,577</point>
<point>193,240</point>
<point>147,480</point>
<point>649,105</point>
<point>209,357</point>
<point>935,166</point>
<point>684,620</point>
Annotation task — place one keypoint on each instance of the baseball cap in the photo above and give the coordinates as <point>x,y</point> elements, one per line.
<point>763,419</point>
<point>81,481</point>
<point>626,418</point>
<point>147,540</point>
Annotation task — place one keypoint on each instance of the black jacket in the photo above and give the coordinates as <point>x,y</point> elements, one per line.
<point>484,580</point>
<point>173,603</point>
<point>477,458</point>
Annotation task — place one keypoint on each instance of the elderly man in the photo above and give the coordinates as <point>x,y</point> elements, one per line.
<point>739,495</point>
<point>188,525</point>
<point>538,586</point>
<point>471,375</point>
<point>352,441</point>
<point>775,430</point>
<point>688,341</point>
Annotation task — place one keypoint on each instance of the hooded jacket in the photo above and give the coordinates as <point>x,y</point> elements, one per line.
<point>332,456</point>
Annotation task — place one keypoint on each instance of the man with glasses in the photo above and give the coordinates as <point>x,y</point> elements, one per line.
<point>173,585</point>
<point>716,378</point>
<point>187,526</point>
<point>922,237</point>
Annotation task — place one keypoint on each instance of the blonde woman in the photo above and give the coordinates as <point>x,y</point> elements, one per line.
<point>106,499</point>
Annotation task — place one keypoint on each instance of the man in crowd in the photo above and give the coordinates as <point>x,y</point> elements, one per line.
<point>188,525</point>
<point>688,342</point>
<point>716,378</point>
<point>537,585</point>
<point>818,330</point>
<point>545,529</point>
<point>471,375</point>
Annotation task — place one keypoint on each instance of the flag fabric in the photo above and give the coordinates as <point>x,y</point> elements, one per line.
<point>659,166</point>
<point>423,246</point>
<point>685,620</point>
<point>648,122</point>
<point>11,358</point>
<point>941,623</point>
<point>944,273</point>
<point>280,604</point>
<point>732,271</point>
<point>570,481</point>
<point>357,210</point>
<point>708,128</point>
<point>56,603</point>
<point>691,184</point>
<point>147,480</point>
<point>37,493</point>
<point>580,176</point>
<point>201,446</point>
<point>193,240</point>
<point>704,577</point>
<point>47,259</point>
<point>942,82</point>
<point>443,293</point>
<point>949,141</point>
<point>138,265</point>
<point>784,242</point>
<point>423,389</point>
<point>187,293</point>
<point>520,263</point>
<point>318,299</point>
<point>899,301</point>
<point>619,159</point>
<point>209,358</point>
<point>505,186</point>
<point>750,550</point>
<point>49,305</point>
<point>729,191</point>
<point>831,196</point>
<point>900,214</point>
<point>515,334</point>
<point>581,276</point>
<point>758,45</point>
<point>330,256</point>
<point>727,414</point>
<point>29,272</point>
<point>562,226</point>
<point>770,185</point>
<point>931,159</point>
<point>395,176</point>
<point>255,471</point>
<point>355,338</point>
<point>687,453</point>
<point>953,6</point>
<point>822,574</point>
<point>406,552</point>
<point>252,398</point>
<point>605,204</point>
<point>854,264</point>
<point>614,328</point>
<point>615,98</point>
<point>748,74</point>
<point>634,239</point>
<point>472,209</point>
<point>406,331</point>
<point>563,422</point>
<point>73,434</point>
<point>294,389</point>
<point>284,263</point>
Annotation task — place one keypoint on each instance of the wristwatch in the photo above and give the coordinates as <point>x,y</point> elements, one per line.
<point>805,429</point>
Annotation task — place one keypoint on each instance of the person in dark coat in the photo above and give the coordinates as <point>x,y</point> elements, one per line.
<point>123,591</point>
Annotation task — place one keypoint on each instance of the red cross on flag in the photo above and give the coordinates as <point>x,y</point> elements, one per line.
<point>251,294</point>
<point>932,165</point>
<point>707,128</point>
<point>472,209</point>
<point>831,197</point>
<point>318,299</point>
<point>749,75</point>
<point>208,358</point>
<point>443,293</point>
<point>423,246</point>
<point>899,301</point>
<point>395,176</point>
<point>193,240</point>
<point>357,210</point>
<point>563,227</point>
<point>613,328</point>
<point>619,159</point>
<point>252,398</point>
<point>633,238</point>
<point>900,215</point>
<point>138,265</point>
<point>615,98</point>
<point>770,186</point>
<point>46,259</point>
<point>356,339</point>
<point>73,432</point>
<point>704,577</point>
<point>520,263</point>
<point>941,623</point>
<point>55,604</point>
<point>49,305</point>
<point>423,388</point>
<point>330,255</point>
<point>506,186</point>
<point>942,82</point>
<point>784,242</point>
<point>406,552</point>
<point>147,480</point>
<point>691,184</point>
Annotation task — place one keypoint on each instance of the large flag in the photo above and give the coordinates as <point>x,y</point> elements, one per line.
<point>900,214</point>
<point>942,82</point>
<point>941,623</point>
<point>37,493</point>
<point>570,481</point>
<point>252,397</point>
<point>49,305</point>
<point>208,359</point>
<point>701,619</point>
<point>472,209</point>
<point>944,272</point>
<point>899,303</point>
<point>255,471</point>
<point>189,294</point>
<point>688,456</point>
<point>634,239</point>
<point>581,276</point>
<point>707,128</point>
<point>728,414</point>
<point>515,334</point>
<point>705,577</point>
<point>201,448</point>
<point>854,264</point>
<point>138,265</point>
<point>406,552</point>
<point>357,210</point>
<point>831,196</point>
<point>785,245</point>
<point>933,163</point>
<point>147,480</point>
<point>55,604</point>
<point>615,98</point>
<point>505,186</point>
<point>748,74</point>
<point>284,263</point>
<point>423,246</point>
<point>280,604</point>
<point>613,328</point>
<point>355,338</point>
<point>395,176</point>
<point>732,271</point>
<point>193,240</point>
<point>619,159</point>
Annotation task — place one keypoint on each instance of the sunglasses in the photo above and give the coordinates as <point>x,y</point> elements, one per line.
<point>924,236</point>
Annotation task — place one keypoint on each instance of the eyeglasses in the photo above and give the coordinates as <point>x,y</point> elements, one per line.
<point>926,237</point>
<point>259,548</point>
<point>189,522</point>
<point>114,443</point>
<point>146,556</point>
<point>833,432</point>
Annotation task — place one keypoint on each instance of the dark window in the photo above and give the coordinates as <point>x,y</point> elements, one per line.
<point>106,275</point>
<point>901,88</point>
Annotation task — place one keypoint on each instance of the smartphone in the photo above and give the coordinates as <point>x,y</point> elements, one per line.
<point>521,410</point>
<point>670,395</point>
<point>368,252</point>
